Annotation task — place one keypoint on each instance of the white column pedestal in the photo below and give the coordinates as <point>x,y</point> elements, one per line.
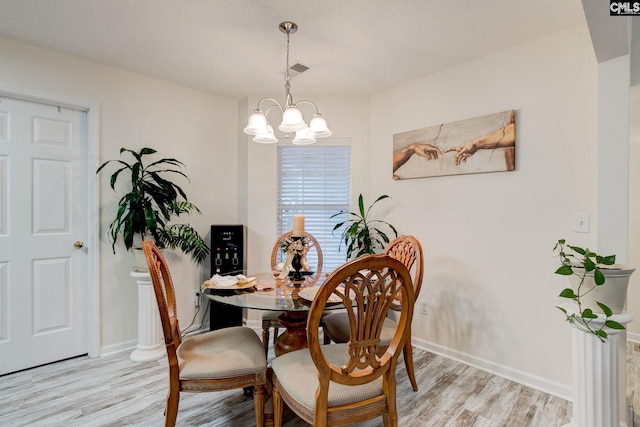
<point>150,346</point>
<point>598,398</point>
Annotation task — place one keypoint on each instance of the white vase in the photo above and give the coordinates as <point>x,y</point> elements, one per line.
<point>141,260</point>
<point>612,293</point>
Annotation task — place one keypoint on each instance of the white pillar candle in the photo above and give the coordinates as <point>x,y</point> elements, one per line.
<point>298,226</point>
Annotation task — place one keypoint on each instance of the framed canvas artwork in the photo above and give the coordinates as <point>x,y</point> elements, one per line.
<point>476,145</point>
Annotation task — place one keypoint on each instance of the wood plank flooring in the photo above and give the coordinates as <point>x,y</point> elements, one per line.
<point>113,391</point>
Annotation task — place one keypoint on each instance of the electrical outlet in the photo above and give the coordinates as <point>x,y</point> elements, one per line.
<point>424,308</point>
<point>196,300</point>
<point>581,222</point>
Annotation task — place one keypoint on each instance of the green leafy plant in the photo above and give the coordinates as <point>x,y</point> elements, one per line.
<point>151,203</point>
<point>362,235</point>
<point>581,262</point>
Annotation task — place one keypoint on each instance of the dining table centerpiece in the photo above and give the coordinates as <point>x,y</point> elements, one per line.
<point>295,249</point>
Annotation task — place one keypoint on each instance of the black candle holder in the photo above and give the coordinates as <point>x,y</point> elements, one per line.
<point>296,262</point>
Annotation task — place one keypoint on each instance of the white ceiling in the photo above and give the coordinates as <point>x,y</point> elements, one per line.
<point>233,48</point>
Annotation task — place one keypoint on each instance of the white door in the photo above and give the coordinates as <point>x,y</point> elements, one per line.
<point>42,214</point>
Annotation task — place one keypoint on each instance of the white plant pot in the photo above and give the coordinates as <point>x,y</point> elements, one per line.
<point>141,260</point>
<point>612,293</point>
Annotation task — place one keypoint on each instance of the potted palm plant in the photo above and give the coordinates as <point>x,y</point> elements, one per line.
<point>594,302</point>
<point>363,235</point>
<point>152,201</point>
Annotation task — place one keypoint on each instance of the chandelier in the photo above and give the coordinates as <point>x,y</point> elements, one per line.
<point>292,120</point>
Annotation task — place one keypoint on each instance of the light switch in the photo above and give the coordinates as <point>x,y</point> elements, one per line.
<point>581,222</point>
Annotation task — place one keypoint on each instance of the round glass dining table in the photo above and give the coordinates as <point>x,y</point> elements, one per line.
<point>270,293</point>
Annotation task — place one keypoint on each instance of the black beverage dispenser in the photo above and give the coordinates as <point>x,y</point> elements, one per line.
<point>228,244</point>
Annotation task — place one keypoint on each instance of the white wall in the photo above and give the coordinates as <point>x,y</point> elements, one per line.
<point>488,238</point>
<point>195,127</point>
<point>633,299</point>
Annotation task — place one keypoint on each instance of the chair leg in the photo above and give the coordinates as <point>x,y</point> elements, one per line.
<point>258,402</point>
<point>390,418</point>
<point>276,332</point>
<point>325,335</point>
<point>278,407</point>
<point>407,351</point>
<point>171,409</point>
<point>265,339</point>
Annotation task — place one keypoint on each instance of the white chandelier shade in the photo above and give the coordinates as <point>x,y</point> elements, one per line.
<point>266,137</point>
<point>292,119</point>
<point>318,127</point>
<point>257,123</point>
<point>303,137</point>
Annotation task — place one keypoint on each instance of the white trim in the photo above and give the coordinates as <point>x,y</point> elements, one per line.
<point>323,141</point>
<point>633,337</point>
<point>92,110</point>
<point>118,348</point>
<point>560,390</point>
<point>93,229</point>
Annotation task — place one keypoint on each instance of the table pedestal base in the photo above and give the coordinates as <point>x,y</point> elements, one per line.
<point>295,336</point>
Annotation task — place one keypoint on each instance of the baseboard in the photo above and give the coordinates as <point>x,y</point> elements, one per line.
<point>118,348</point>
<point>633,337</point>
<point>560,390</point>
<point>131,344</point>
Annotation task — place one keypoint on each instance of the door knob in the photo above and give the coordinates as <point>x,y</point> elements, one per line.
<point>78,244</point>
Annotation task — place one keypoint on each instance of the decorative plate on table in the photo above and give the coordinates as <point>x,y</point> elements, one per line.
<point>310,293</point>
<point>240,284</point>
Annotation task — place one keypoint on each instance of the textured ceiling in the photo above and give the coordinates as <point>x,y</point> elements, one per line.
<point>233,47</point>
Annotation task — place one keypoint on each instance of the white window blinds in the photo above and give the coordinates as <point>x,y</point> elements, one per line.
<point>315,181</point>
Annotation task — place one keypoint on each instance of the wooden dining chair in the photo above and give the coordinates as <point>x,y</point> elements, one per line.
<point>408,250</point>
<point>212,361</point>
<point>344,384</point>
<point>313,254</point>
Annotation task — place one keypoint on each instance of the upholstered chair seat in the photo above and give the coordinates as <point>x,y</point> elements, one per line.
<point>298,375</point>
<point>232,351</point>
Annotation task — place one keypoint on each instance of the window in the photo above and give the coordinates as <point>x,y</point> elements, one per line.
<point>315,181</point>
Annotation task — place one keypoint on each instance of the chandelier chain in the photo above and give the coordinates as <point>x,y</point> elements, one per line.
<point>287,77</point>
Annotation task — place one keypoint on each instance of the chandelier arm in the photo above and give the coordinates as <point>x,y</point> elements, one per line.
<point>308,102</point>
<point>266,98</point>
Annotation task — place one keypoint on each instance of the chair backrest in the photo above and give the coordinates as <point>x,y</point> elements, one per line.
<point>408,250</point>
<point>367,287</point>
<point>313,252</point>
<point>165,297</point>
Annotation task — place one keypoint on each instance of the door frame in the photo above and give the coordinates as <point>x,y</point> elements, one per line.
<point>91,159</point>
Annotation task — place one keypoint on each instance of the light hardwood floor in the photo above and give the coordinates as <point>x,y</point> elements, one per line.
<point>113,391</point>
